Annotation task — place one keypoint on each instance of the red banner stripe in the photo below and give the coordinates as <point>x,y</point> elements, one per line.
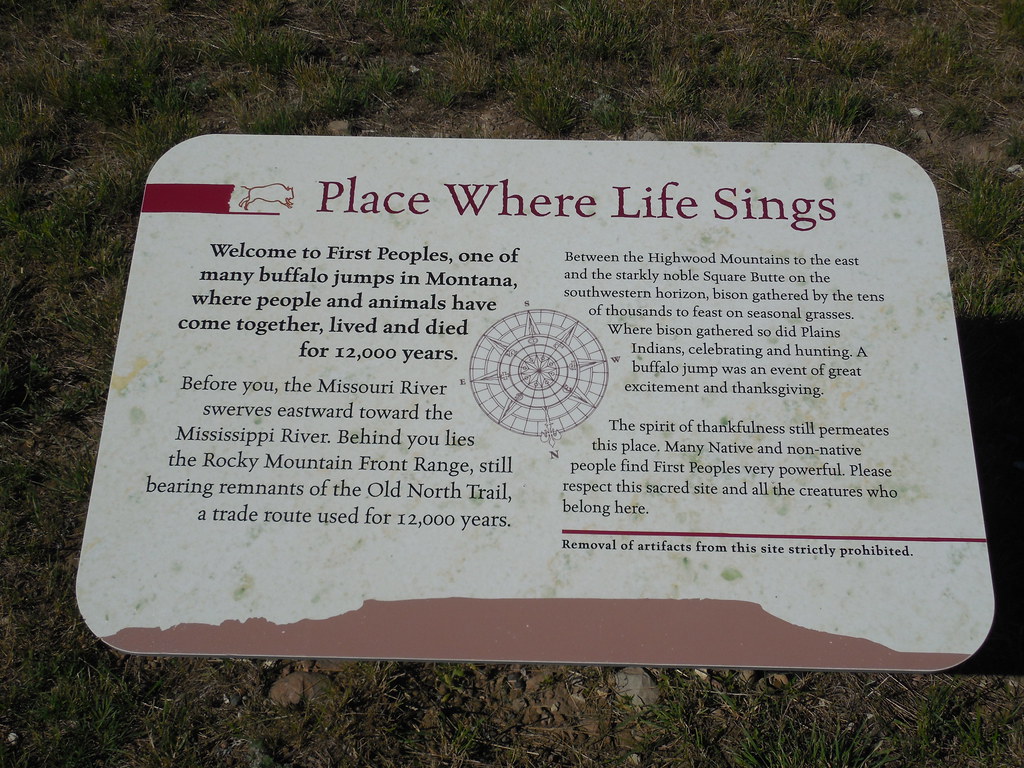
<point>187,198</point>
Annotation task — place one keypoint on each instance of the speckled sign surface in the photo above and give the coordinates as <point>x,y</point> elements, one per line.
<point>620,403</point>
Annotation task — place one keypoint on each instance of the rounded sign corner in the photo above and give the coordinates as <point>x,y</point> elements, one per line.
<point>172,155</point>
<point>893,155</point>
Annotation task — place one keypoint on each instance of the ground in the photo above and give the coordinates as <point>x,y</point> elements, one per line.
<point>93,92</point>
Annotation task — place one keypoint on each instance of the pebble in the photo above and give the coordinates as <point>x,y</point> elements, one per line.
<point>297,687</point>
<point>339,128</point>
<point>642,134</point>
<point>635,682</point>
<point>332,665</point>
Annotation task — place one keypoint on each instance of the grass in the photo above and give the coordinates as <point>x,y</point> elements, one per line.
<point>544,95</point>
<point>1011,18</point>
<point>94,92</point>
<point>459,77</point>
<point>990,208</point>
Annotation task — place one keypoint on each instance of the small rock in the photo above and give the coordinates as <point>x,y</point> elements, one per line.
<point>1016,169</point>
<point>642,134</point>
<point>332,665</point>
<point>431,719</point>
<point>12,738</point>
<point>515,681</point>
<point>298,687</point>
<point>636,683</point>
<point>339,128</point>
<point>778,680</point>
<point>915,112</point>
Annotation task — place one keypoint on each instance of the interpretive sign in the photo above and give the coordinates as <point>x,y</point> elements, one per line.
<point>622,403</point>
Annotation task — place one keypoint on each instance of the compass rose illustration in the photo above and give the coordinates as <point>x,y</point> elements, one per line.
<point>538,372</point>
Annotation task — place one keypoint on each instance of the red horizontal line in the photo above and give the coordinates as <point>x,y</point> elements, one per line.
<point>712,535</point>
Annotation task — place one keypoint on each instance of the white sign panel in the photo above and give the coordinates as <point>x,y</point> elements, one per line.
<point>625,403</point>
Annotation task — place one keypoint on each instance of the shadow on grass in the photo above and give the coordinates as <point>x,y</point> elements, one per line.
<point>993,357</point>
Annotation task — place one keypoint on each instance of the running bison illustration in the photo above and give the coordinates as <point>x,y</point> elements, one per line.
<point>268,193</point>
